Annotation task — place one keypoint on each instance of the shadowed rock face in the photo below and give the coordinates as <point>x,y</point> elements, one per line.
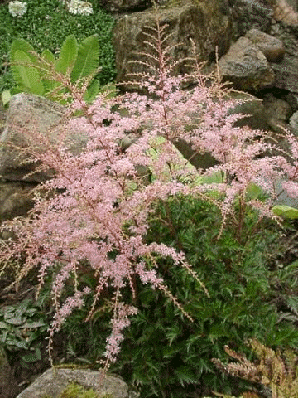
<point>203,22</point>
<point>54,381</point>
<point>124,5</point>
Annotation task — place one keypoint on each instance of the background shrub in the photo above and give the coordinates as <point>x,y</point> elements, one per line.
<point>46,24</point>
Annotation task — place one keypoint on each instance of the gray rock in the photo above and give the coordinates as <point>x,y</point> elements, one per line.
<point>270,46</point>
<point>294,123</point>
<point>286,11</point>
<point>251,14</point>
<point>54,381</point>
<point>124,5</point>
<point>276,109</point>
<point>36,122</point>
<point>246,67</point>
<point>203,22</point>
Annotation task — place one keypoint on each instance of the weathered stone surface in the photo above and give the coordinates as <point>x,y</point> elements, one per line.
<point>294,123</point>
<point>270,46</point>
<point>52,382</point>
<point>124,5</point>
<point>15,200</point>
<point>276,108</point>
<point>286,11</point>
<point>246,66</point>
<point>286,71</point>
<point>251,14</point>
<point>32,121</point>
<point>203,22</point>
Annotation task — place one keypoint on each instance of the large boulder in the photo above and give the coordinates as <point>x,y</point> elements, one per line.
<point>272,48</point>
<point>277,18</point>
<point>246,67</point>
<point>32,121</point>
<point>203,22</point>
<point>286,71</point>
<point>53,382</point>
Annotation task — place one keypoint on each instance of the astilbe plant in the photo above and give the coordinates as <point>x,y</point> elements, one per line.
<point>92,216</point>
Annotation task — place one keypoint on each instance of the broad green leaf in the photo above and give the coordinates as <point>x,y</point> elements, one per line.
<point>68,55</point>
<point>92,91</point>
<point>88,58</point>
<point>3,325</point>
<point>28,77</point>
<point>255,192</point>
<point>48,56</point>
<point>285,211</point>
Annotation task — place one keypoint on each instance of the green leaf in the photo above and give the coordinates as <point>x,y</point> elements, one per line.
<point>27,77</point>
<point>3,325</point>
<point>88,60</point>
<point>48,56</point>
<point>68,55</point>
<point>6,96</point>
<point>34,324</point>
<point>285,211</point>
<point>14,320</point>
<point>92,91</point>
<point>185,375</point>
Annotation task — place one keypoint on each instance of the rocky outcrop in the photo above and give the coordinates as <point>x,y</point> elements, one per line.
<point>203,22</point>
<point>124,5</point>
<point>278,18</point>
<point>272,48</point>
<point>246,67</point>
<point>28,114</point>
<point>53,382</point>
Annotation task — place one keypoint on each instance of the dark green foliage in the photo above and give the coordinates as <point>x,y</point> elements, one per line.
<point>22,329</point>
<point>166,355</point>
<point>46,24</point>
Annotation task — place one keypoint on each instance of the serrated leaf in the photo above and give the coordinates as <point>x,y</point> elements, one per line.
<point>68,55</point>
<point>27,76</point>
<point>88,58</point>
<point>285,211</point>
<point>185,375</point>
<point>30,358</point>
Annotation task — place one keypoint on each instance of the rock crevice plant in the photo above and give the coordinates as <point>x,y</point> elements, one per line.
<point>92,217</point>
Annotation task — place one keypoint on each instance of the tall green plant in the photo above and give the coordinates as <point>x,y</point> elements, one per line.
<point>76,63</point>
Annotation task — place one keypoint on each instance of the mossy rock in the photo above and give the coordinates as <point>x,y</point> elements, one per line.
<point>80,383</point>
<point>75,390</point>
